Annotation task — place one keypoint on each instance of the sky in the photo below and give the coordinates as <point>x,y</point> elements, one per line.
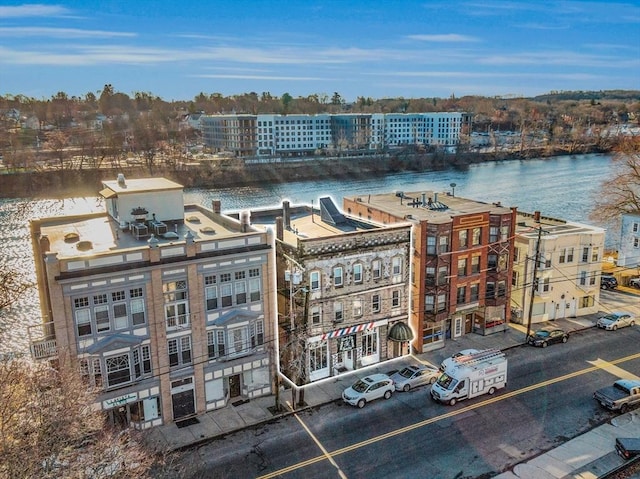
<point>380,49</point>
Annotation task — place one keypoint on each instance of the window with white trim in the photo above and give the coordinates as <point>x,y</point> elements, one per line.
<point>376,269</point>
<point>338,280</point>
<point>357,308</point>
<point>357,273</point>
<point>375,303</point>
<point>314,280</point>
<point>176,305</point>
<point>370,342</point>
<point>314,312</point>
<point>337,312</point>
<point>396,266</point>
<point>105,312</point>
<point>395,298</point>
<point>318,356</point>
<point>179,351</point>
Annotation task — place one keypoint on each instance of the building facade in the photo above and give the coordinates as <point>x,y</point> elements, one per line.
<point>629,250</point>
<point>461,261</point>
<point>166,308</point>
<point>342,289</point>
<point>297,134</point>
<point>565,280</point>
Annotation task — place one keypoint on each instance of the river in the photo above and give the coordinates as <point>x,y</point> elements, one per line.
<point>561,187</point>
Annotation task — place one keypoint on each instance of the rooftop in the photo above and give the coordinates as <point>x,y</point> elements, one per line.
<point>430,206</point>
<point>87,235</point>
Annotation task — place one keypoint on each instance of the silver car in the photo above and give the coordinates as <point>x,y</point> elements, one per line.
<point>613,321</point>
<point>413,376</point>
<point>367,389</point>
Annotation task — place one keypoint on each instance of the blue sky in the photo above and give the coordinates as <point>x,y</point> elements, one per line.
<point>378,49</point>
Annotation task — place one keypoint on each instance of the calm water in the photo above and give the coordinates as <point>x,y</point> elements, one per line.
<point>562,187</point>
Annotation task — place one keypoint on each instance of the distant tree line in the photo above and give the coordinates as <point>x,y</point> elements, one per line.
<point>106,127</point>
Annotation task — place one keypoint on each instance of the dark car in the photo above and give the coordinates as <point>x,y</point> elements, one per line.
<point>627,447</point>
<point>608,281</point>
<point>548,335</point>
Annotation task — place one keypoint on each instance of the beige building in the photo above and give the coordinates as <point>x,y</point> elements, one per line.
<point>342,290</point>
<point>565,281</point>
<point>166,307</point>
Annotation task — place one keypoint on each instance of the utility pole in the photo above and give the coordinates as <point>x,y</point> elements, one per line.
<point>534,282</point>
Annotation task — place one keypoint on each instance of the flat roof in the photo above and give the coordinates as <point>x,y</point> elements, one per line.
<point>87,235</point>
<point>431,206</point>
<point>139,185</point>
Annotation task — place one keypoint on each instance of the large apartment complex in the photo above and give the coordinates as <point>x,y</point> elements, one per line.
<point>166,308</point>
<point>461,261</point>
<point>280,135</point>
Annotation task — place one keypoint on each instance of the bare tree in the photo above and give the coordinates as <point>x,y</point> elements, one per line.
<point>48,429</point>
<point>620,193</point>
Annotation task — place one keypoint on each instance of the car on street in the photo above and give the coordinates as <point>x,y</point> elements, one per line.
<point>608,281</point>
<point>548,335</point>
<point>374,386</point>
<point>634,283</point>
<point>413,376</point>
<point>613,321</point>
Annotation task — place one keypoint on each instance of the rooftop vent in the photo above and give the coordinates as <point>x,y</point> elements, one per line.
<point>84,245</point>
<point>71,237</point>
<point>121,181</point>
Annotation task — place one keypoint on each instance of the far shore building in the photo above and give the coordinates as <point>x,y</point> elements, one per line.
<point>565,280</point>
<point>461,261</point>
<point>343,302</point>
<point>272,135</point>
<point>166,308</point>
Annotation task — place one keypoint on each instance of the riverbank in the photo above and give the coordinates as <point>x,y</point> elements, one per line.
<point>55,183</point>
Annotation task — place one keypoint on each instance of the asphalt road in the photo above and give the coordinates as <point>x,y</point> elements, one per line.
<point>548,400</point>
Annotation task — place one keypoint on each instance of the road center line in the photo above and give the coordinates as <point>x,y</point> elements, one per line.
<point>432,420</point>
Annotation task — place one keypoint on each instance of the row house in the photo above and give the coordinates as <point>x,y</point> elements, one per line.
<point>342,290</point>
<point>629,249</point>
<point>166,308</point>
<point>556,269</point>
<point>461,254</point>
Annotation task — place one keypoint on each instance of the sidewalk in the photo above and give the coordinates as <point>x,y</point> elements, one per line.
<point>589,455</point>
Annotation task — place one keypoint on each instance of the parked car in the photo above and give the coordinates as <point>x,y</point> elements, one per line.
<point>613,321</point>
<point>548,335</point>
<point>608,281</point>
<point>634,282</point>
<point>367,389</point>
<point>413,376</point>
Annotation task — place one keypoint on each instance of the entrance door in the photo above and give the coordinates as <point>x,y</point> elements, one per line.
<point>468,323</point>
<point>182,399</point>
<point>183,404</point>
<point>234,386</point>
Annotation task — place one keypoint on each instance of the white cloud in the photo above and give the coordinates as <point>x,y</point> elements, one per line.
<point>444,38</point>
<point>59,32</point>
<point>32,10</point>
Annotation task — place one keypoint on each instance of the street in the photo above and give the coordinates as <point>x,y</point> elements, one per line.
<point>548,400</point>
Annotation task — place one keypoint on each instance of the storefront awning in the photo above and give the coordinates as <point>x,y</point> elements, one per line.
<point>400,332</point>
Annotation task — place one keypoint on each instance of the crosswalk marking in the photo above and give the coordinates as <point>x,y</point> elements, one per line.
<point>612,369</point>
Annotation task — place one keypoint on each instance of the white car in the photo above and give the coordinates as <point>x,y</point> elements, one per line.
<point>613,321</point>
<point>413,376</point>
<point>464,352</point>
<point>635,282</point>
<point>367,389</point>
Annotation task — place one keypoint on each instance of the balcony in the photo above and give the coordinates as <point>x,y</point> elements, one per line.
<point>44,346</point>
